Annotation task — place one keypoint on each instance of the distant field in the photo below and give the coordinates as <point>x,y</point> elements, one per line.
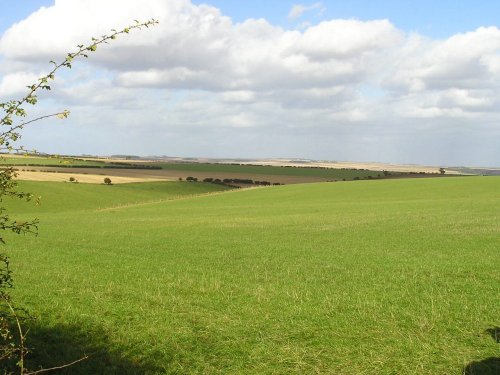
<point>367,277</point>
<point>66,162</point>
<point>92,178</point>
<point>203,170</point>
<point>250,170</point>
<point>52,161</point>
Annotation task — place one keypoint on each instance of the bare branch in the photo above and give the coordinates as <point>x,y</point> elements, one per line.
<point>56,368</point>
<point>64,114</point>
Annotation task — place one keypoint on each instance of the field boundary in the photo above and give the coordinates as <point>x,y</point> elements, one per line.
<point>173,199</point>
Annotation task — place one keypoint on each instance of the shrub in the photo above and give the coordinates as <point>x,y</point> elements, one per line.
<point>12,345</point>
<point>107,181</point>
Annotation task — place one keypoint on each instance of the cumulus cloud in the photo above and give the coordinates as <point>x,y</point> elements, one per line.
<point>197,68</point>
<point>467,61</point>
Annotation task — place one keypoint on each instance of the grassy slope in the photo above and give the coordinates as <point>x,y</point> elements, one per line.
<point>269,170</point>
<point>386,277</point>
<point>57,197</point>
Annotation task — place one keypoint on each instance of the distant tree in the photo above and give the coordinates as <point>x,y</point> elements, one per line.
<point>72,179</point>
<point>107,181</point>
<point>442,170</point>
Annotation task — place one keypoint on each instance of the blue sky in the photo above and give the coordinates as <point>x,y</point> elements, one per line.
<point>18,10</point>
<point>389,81</point>
<point>430,17</point>
<point>436,18</point>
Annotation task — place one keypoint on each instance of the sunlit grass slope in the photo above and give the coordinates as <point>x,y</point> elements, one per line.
<point>73,197</point>
<point>368,277</point>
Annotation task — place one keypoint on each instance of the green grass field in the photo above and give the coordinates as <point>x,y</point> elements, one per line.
<point>367,277</point>
<point>250,170</point>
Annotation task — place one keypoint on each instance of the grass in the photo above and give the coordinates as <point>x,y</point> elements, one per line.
<point>57,197</point>
<point>250,170</point>
<point>48,161</point>
<point>368,277</point>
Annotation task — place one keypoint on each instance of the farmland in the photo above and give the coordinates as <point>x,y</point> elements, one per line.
<point>266,170</point>
<point>47,161</point>
<point>365,277</point>
<point>44,168</point>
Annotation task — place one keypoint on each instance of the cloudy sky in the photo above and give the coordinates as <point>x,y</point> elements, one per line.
<point>381,80</point>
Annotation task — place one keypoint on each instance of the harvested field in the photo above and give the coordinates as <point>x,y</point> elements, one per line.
<point>81,177</point>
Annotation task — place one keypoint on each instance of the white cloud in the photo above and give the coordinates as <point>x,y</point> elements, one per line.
<point>298,10</point>
<point>241,96</point>
<point>331,80</point>
<point>14,84</point>
<point>339,39</point>
<point>465,61</point>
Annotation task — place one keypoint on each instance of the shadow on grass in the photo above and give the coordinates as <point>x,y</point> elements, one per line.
<point>488,366</point>
<point>494,333</point>
<point>60,345</point>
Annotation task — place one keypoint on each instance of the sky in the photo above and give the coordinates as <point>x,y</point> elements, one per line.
<point>383,81</point>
